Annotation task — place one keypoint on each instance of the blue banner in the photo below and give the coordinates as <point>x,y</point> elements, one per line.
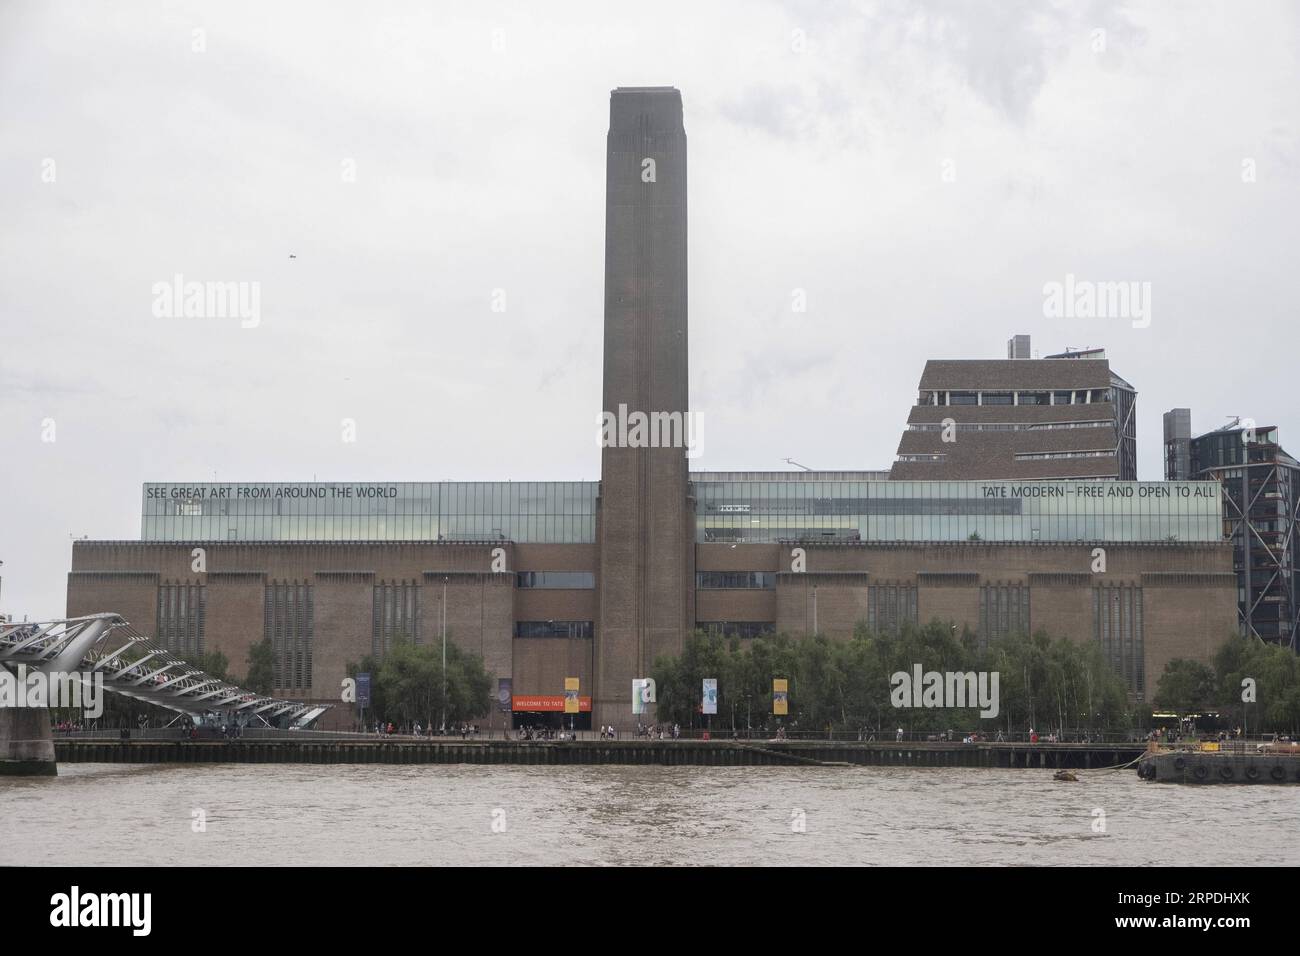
<point>363,690</point>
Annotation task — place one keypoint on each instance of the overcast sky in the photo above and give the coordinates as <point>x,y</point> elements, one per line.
<point>920,170</point>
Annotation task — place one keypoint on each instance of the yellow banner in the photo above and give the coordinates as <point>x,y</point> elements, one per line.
<point>780,697</point>
<point>571,702</point>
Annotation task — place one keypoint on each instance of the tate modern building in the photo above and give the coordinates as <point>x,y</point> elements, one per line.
<point>596,579</point>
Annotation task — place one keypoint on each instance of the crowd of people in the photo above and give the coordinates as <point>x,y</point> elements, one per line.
<point>546,733</point>
<point>659,731</point>
<point>417,729</point>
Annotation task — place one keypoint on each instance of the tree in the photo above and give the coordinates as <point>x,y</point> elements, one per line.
<point>214,664</point>
<point>1043,682</point>
<point>368,665</point>
<point>1185,686</point>
<point>679,681</point>
<point>261,667</point>
<point>407,685</point>
<point>1277,687</point>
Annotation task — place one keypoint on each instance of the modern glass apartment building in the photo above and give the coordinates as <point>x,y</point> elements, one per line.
<point>1260,485</point>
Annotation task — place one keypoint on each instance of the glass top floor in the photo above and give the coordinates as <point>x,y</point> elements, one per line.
<point>761,511</point>
<point>758,511</point>
<point>558,512</point>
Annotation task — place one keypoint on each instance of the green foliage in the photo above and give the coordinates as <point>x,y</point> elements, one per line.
<point>846,684</point>
<point>1185,687</point>
<point>368,665</point>
<point>407,685</point>
<point>1277,685</point>
<point>1057,683</point>
<point>214,664</point>
<point>261,667</point>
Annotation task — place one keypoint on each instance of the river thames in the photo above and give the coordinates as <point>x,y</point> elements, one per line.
<point>96,814</point>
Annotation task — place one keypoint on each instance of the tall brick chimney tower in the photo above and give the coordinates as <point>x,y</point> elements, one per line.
<point>645,525</point>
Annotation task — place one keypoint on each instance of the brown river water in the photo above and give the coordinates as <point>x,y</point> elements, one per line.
<point>106,814</point>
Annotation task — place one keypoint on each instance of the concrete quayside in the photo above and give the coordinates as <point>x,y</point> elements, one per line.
<point>716,753</point>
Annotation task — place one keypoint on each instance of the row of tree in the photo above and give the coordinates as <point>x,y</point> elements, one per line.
<point>1042,682</point>
<point>1252,684</point>
<point>406,685</point>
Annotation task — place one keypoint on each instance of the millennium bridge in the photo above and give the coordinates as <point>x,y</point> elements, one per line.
<point>106,648</point>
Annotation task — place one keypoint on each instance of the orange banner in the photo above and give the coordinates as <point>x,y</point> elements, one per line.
<point>546,703</point>
<point>780,697</point>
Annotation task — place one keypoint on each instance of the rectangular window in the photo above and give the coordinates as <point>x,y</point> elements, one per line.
<point>735,580</point>
<point>180,619</point>
<point>1117,627</point>
<point>579,580</point>
<point>575,630</point>
<point>288,613</point>
<point>745,630</point>
<point>1004,611</point>
<point>395,616</point>
<point>889,606</point>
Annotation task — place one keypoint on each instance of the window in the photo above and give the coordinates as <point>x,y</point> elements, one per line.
<point>395,615</point>
<point>1117,627</point>
<point>1004,611</point>
<point>1043,456</point>
<point>180,619</point>
<point>997,398</point>
<point>888,606</point>
<point>723,580</point>
<point>584,580</point>
<point>575,630</point>
<point>963,398</point>
<point>745,630</point>
<point>288,623</point>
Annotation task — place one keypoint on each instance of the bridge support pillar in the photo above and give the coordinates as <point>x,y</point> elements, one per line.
<point>26,742</point>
